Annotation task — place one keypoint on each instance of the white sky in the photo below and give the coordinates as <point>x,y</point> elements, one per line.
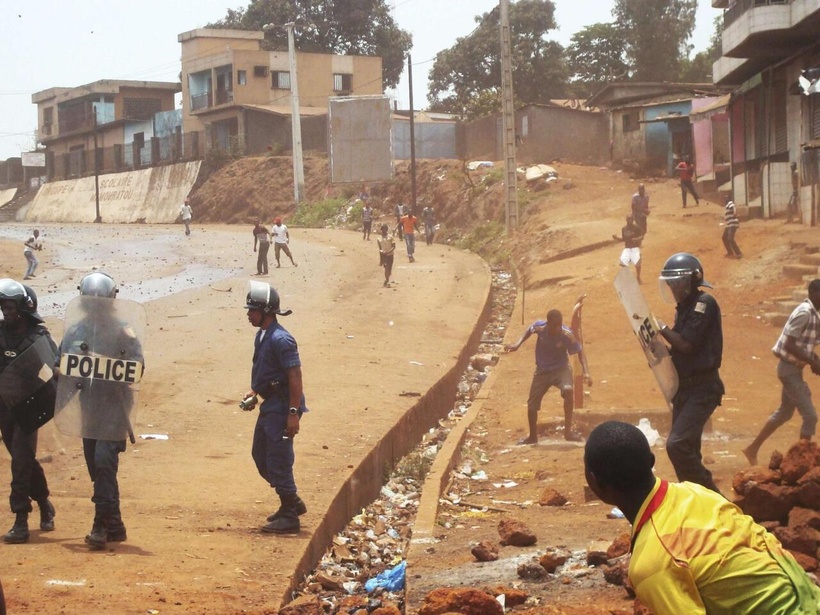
<point>68,43</point>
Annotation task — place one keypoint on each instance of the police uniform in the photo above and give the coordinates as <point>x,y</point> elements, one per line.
<point>698,321</point>
<point>102,455</point>
<point>275,351</point>
<point>28,480</point>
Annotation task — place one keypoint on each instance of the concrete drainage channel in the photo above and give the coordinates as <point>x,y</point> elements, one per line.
<point>363,569</point>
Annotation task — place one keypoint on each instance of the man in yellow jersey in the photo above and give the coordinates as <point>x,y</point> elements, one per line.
<point>693,551</point>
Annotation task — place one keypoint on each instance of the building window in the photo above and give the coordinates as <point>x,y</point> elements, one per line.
<point>342,82</point>
<point>280,80</point>
<point>260,71</point>
<point>241,77</point>
<point>630,121</point>
<point>48,120</point>
<point>141,108</point>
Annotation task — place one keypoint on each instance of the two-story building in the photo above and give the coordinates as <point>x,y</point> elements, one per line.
<point>115,119</point>
<point>766,46</point>
<point>239,95</point>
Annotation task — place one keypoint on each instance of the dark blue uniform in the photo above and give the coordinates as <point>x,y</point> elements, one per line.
<point>275,351</point>
<point>697,320</point>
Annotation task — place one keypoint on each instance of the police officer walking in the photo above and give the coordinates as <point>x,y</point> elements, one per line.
<point>696,342</point>
<point>276,377</point>
<point>25,348</point>
<point>100,407</point>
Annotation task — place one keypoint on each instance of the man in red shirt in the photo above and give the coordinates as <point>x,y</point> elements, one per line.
<point>687,173</point>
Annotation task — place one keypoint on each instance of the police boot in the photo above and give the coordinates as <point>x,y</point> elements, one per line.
<point>115,530</point>
<point>288,520</point>
<point>97,538</point>
<point>301,509</point>
<point>18,534</point>
<point>47,513</point>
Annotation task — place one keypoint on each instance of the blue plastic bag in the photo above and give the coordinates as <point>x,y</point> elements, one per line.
<point>392,580</point>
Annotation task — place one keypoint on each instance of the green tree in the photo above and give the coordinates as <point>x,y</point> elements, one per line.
<point>698,69</point>
<point>596,56</point>
<point>354,27</point>
<point>656,33</point>
<point>466,78</point>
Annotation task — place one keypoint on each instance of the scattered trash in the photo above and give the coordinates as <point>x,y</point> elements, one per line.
<point>652,434</point>
<point>154,436</point>
<point>415,363</point>
<point>60,583</point>
<point>392,580</point>
<point>477,164</point>
<point>616,513</point>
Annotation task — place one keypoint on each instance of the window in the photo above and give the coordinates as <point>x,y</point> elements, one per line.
<point>241,77</point>
<point>630,121</point>
<point>48,120</point>
<point>342,82</point>
<point>280,80</point>
<point>138,108</point>
<point>260,71</point>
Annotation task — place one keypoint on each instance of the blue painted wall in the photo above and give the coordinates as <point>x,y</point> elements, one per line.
<point>659,134</point>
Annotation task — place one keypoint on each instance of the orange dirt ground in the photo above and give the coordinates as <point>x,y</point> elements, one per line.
<point>193,504</point>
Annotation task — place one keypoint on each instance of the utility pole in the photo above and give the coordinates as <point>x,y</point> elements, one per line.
<point>412,138</point>
<point>296,123</point>
<point>96,168</point>
<point>508,120</point>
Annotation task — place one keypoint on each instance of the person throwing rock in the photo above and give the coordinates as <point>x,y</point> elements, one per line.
<point>555,344</point>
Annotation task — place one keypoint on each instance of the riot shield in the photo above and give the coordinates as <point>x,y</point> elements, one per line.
<point>101,364</point>
<point>27,385</point>
<point>645,327</point>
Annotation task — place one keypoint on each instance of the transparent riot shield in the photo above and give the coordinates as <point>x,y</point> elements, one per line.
<point>101,364</point>
<point>27,386</point>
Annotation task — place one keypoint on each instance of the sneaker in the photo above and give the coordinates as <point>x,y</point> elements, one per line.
<point>47,513</point>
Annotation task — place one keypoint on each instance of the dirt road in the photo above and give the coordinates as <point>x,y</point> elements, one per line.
<point>557,267</point>
<point>193,504</point>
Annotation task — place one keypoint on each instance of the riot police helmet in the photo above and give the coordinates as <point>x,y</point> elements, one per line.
<point>98,284</point>
<point>681,275</point>
<point>263,296</point>
<point>23,295</point>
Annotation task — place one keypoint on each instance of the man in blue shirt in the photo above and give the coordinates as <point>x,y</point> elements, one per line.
<point>276,377</point>
<point>552,350</point>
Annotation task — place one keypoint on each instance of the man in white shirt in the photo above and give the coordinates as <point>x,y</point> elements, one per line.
<point>185,212</point>
<point>281,240</point>
<point>31,244</point>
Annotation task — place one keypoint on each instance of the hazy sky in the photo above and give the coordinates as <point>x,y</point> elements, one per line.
<point>68,43</point>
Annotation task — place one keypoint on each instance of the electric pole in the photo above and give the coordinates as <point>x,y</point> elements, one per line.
<point>296,123</point>
<point>508,121</point>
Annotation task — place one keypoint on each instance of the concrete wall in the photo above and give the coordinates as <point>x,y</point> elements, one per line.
<point>151,195</point>
<point>548,133</point>
<point>433,139</point>
<point>7,195</point>
<point>481,139</point>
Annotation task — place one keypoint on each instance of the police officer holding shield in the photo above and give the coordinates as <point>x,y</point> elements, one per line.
<point>26,402</point>
<point>101,362</point>
<point>696,342</point>
<point>276,377</point>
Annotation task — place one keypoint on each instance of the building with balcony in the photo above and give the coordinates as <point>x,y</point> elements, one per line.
<point>766,46</point>
<point>117,119</point>
<point>239,95</point>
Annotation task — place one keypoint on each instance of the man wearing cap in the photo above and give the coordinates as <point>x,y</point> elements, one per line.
<point>276,377</point>
<point>281,239</point>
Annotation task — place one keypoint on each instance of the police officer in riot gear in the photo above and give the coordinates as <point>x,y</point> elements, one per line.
<point>696,341</point>
<point>22,330</point>
<point>276,377</point>
<point>105,406</point>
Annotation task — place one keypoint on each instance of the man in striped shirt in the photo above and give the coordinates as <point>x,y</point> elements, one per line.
<point>795,349</point>
<point>732,223</point>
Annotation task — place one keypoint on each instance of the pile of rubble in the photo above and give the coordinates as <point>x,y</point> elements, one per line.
<point>785,499</point>
<point>361,573</point>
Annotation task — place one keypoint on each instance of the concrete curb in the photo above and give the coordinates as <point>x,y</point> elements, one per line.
<point>434,484</point>
<point>365,482</point>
